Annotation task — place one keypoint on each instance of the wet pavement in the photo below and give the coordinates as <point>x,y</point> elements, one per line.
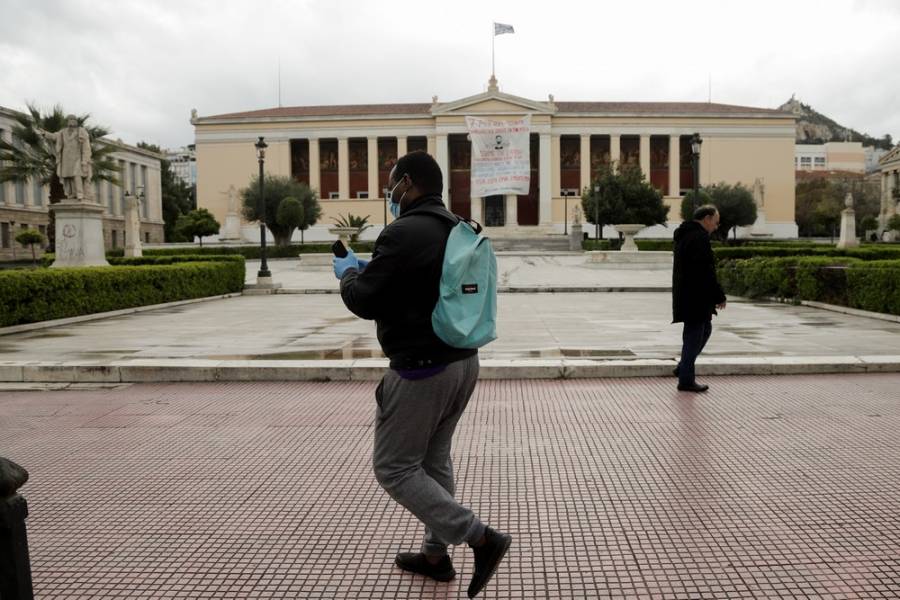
<point>765,487</point>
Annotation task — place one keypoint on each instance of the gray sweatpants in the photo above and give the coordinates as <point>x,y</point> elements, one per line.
<point>414,425</point>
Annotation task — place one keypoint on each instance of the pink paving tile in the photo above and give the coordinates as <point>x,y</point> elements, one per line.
<point>765,487</point>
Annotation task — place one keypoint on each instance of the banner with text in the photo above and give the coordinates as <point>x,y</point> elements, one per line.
<point>500,156</point>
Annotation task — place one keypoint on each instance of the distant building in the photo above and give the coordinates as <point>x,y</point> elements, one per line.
<point>25,204</point>
<point>831,156</point>
<point>873,156</point>
<point>184,163</point>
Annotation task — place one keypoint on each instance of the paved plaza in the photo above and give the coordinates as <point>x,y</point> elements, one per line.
<point>766,487</point>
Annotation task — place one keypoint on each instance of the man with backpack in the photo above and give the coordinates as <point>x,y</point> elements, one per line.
<point>428,385</point>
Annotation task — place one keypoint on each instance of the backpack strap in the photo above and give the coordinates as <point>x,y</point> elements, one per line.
<point>446,215</point>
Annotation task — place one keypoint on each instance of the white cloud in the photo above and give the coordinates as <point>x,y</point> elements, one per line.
<point>140,66</point>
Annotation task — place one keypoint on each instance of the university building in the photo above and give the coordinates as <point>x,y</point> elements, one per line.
<point>346,152</point>
<point>890,189</point>
<point>25,204</point>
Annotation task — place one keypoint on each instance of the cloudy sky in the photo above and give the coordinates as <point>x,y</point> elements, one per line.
<point>140,66</point>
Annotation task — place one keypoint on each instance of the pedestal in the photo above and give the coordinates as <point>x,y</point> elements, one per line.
<point>79,235</point>
<point>232,229</point>
<point>575,238</point>
<point>848,229</point>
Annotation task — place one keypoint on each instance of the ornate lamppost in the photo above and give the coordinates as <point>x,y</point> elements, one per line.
<point>264,275</point>
<point>696,141</point>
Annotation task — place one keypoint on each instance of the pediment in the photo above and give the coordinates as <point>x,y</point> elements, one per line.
<point>495,103</point>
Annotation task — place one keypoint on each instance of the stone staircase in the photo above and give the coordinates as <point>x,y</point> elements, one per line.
<point>556,243</point>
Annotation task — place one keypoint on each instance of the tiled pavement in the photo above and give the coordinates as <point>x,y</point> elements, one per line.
<point>766,487</point>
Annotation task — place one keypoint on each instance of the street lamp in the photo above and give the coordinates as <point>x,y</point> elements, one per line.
<point>566,213</point>
<point>261,157</point>
<point>597,228</point>
<point>695,161</point>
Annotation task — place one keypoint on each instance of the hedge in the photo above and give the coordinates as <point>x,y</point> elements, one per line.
<point>43,294</point>
<point>248,252</point>
<point>879,252</point>
<point>872,285</point>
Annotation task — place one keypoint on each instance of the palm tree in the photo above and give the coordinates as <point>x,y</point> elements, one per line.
<point>30,155</point>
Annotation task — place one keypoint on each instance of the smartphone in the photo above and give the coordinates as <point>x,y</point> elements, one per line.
<point>338,249</point>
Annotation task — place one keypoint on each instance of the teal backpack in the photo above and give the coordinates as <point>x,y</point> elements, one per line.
<point>465,315</point>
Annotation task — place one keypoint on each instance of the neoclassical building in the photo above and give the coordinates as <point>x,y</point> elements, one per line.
<point>25,204</point>
<point>346,153</point>
<point>890,187</point>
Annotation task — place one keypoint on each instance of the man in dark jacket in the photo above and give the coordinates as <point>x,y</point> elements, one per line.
<point>424,393</point>
<point>696,293</point>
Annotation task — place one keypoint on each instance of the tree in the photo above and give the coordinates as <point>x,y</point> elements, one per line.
<point>290,215</point>
<point>31,156</point>
<point>623,196</point>
<point>360,223</point>
<point>278,188</point>
<point>177,196</point>
<point>735,204</point>
<point>688,206</point>
<point>868,223</point>
<point>197,223</point>
<point>818,207</point>
<point>893,223</point>
<point>30,237</point>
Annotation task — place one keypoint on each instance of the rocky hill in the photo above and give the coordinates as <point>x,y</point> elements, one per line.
<point>815,128</point>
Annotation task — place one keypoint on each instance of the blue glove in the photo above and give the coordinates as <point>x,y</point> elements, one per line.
<point>362,263</point>
<point>342,264</point>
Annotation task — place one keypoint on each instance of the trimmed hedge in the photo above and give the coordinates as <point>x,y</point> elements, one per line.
<point>248,252</point>
<point>43,294</point>
<point>864,253</point>
<point>872,285</point>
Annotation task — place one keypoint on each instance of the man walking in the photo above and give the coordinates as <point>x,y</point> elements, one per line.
<point>696,293</point>
<point>428,385</point>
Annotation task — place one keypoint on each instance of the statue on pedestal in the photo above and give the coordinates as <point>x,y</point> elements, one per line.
<point>848,225</point>
<point>72,149</point>
<point>133,246</point>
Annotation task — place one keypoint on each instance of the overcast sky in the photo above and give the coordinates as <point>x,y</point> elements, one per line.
<point>139,66</point>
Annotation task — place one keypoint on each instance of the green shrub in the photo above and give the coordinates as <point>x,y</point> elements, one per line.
<point>875,286</point>
<point>871,252</point>
<point>43,294</point>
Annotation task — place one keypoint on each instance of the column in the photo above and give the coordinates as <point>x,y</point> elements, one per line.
<point>555,178</point>
<point>512,210</point>
<point>585,160</point>
<point>615,150</point>
<point>475,204</point>
<point>372,167</point>
<point>29,193</point>
<point>645,155</point>
<point>315,165</point>
<point>343,168</point>
<point>674,165</point>
<point>545,198</point>
<point>441,155</point>
<point>430,144</point>
<point>401,146</point>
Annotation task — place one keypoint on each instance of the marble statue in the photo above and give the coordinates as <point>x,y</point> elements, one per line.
<point>72,149</point>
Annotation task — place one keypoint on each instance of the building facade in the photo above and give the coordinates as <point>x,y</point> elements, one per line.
<point>890,189</point>
<point>346,154</point>
<point>183,162</point>
<point>25,204</point>
<point>831,156</point>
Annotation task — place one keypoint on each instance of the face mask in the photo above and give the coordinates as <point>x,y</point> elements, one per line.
<point>394,207</point>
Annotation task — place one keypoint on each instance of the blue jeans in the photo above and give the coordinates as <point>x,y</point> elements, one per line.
<point>693,339</point>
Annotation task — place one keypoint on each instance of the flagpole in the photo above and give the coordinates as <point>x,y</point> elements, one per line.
<point>493,36</point>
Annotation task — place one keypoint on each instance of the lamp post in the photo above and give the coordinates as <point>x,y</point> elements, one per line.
<point>695,161</point>
<point>566,213</point>
<point>597,227</point>
<point>263,267</point>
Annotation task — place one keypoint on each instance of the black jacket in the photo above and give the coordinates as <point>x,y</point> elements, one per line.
<point>695,289</point>
<point>399,287</point>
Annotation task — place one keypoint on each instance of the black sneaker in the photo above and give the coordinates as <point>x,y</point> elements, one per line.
<point>415,562</point>
<point>487,558</point>
<point>692,387</point>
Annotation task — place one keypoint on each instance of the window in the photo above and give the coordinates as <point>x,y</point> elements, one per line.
<point>4,234</point>
<point>819,161</point>
<point>20,193</point>
<point>805,162</point>
<point>132,176</point>
<point>362,195</point>
<point>43,230</point>
<point>110,198</point>
<point>146,237</point>
<point>38,193</point>
<point>115,238</point>
<point>333,195</point>
<point>145,204</point>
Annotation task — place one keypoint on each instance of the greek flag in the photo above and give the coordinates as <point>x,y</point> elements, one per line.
<point>501,28</point>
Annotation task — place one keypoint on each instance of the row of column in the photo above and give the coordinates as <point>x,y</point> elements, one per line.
<point>615,152</point>
<point>890,182</point>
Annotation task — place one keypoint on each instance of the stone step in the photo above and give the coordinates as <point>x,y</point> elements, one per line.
<point>553,244</point>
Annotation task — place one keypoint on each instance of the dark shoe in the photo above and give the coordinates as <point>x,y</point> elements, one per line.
<point>675,371</point>
<point>487,558</point>
<point>692,387</point>
<point>415,562</point>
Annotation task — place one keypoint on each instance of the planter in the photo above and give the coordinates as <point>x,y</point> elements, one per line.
<point>629,230</point>
<point>344,233</point>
